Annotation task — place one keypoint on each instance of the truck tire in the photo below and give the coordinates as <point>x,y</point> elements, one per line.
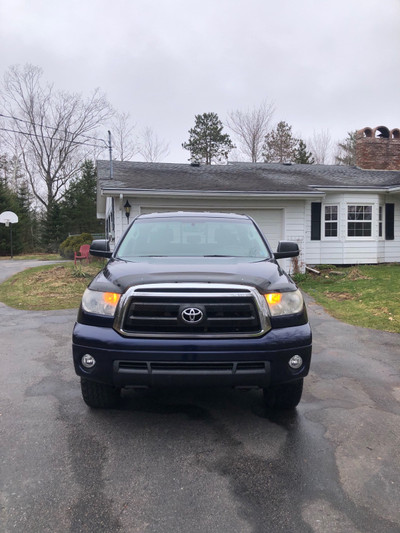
<point>285,396</point>
<point>98,395</point>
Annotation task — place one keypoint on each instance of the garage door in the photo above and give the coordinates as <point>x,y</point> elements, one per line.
<point>270,221</point>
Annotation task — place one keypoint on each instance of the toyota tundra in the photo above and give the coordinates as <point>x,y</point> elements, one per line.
<point>192,299</point>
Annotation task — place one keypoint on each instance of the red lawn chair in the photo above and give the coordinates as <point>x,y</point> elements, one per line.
<point>82,254</point>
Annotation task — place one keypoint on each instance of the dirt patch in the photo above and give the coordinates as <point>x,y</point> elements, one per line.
<point>339,296</point>
<point>356,274</point>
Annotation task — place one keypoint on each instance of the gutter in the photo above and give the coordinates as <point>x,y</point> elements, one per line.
<point>111,191</point>
<point>394,190</point>
<point>351,188</point>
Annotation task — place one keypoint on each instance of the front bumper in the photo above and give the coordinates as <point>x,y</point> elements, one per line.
<point>138,362</point>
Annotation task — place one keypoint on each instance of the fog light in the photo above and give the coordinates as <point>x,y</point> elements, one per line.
<point>88,361</point>
<point>295,362</point>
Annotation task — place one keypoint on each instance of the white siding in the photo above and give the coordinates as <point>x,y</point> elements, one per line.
<point>353,250</point>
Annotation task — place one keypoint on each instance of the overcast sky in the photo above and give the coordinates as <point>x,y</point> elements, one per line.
<point>325,64</point>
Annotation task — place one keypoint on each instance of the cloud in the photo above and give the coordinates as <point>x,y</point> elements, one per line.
<point>326,65</point>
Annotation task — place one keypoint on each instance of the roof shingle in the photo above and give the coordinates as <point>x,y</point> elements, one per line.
<point>240,177</point>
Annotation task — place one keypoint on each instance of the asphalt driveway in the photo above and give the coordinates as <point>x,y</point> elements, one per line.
<point>198,460</point>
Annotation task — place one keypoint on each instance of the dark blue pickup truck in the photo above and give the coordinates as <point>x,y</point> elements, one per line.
<point>192,299</point>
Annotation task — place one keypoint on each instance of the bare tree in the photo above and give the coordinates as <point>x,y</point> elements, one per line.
<point>250,128</point>
<point>321,146</point>
<point>124,144</point>
<point>50,129</point>
<point>151,147</point>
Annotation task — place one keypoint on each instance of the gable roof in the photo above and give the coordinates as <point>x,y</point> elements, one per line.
<point>241,177</point>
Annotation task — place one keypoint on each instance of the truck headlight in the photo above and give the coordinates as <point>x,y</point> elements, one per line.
<point>100,303</point>
<point>284,303</point>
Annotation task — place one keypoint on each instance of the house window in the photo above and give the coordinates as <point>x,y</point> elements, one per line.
<point>380,221</point>
<point>331,221</point>
<point>359,220</point>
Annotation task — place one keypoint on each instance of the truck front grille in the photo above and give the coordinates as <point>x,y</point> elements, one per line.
<point>191,310</point>
<point>163,314</point>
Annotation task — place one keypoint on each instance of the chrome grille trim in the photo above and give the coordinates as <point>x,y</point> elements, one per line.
<point>180,294</point>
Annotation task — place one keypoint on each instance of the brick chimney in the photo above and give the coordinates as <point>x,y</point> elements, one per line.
<point>378,148</point>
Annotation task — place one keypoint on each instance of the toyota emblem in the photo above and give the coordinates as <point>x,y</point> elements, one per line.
<point>192,315</point>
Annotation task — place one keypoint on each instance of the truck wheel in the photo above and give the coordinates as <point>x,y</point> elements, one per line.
<point>285,396</point>
<point>99,395</point>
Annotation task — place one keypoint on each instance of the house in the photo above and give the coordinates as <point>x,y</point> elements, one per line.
<point>337,214</point>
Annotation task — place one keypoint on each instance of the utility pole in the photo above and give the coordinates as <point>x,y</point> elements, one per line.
<point>111,160</point>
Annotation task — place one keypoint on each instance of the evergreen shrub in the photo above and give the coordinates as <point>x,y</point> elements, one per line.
<point>73,243</point>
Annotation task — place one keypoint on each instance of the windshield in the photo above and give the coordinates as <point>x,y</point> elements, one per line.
<point>192,237</point>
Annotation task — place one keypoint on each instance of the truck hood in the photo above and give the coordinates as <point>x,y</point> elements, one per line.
<point>265,275</point>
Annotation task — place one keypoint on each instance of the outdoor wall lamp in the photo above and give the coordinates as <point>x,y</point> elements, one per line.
<point>127,208</point>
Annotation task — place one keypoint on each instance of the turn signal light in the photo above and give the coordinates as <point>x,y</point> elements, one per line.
<point>273,298</point>
<point>111,298</point>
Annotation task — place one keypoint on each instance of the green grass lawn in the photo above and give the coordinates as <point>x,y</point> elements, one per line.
<point>366,295</point>
<point>49,287</point>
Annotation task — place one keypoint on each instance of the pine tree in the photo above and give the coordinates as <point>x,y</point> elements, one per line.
<point>15,196</point>
<point>347,150</point>
<point>207,143</point>
<point>280,145</point>
<point>301,155</point>
<point>78,208</point>
<point>28,226</point>
<point>53,232</point>
<point>4,169</point>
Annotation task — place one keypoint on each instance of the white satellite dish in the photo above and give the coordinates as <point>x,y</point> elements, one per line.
<point>8,217</point>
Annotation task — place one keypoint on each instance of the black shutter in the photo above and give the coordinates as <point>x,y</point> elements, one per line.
<point>389,222</point>
<point>315,221</point>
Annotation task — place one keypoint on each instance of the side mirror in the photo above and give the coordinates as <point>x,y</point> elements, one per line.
<point>100,248</point>
<point>286,249</point>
